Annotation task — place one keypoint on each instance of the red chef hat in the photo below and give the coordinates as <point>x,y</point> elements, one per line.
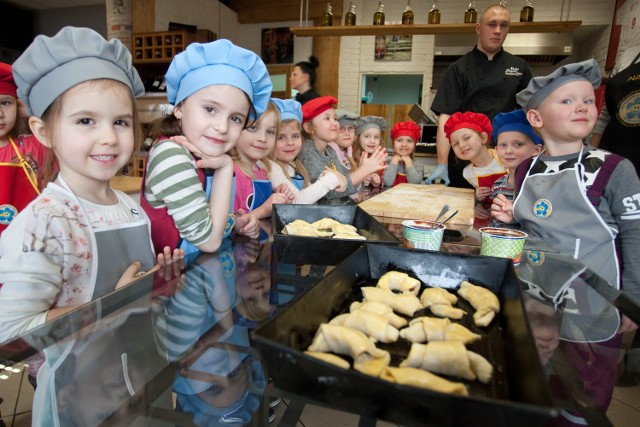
<point>409,129</point>
<point>317,106</point>
<point>476,121</point>
<point>7,84</point>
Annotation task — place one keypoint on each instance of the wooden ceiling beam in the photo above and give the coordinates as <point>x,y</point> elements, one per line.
<point>261,11</point>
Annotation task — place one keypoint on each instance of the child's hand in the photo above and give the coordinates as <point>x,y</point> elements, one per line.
<point>396,159</point>
<point>246,225</point>
<point>284,189</point>
<point>202,160</point>
<point>342,182</point>
<point>502,209</point>
<point>482,193</point>
<point>376,181</point>
<point>170,264</point>
<point>375,161</point>
<point>408,161</point>
<point>276,198</point>
<point>626,325</point>
<point>133,273</point>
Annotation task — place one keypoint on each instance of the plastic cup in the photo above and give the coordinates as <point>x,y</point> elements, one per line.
<point>502,242</point>
<point>420,235</point>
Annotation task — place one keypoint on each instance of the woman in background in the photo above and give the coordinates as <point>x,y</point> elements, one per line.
<point>303,78</point>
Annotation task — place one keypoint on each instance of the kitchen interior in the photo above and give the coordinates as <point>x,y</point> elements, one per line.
<point>348,70</point>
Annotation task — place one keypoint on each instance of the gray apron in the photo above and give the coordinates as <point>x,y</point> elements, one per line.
<point>554,208</point>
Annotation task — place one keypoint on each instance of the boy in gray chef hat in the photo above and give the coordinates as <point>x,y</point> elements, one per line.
<point>577,199</point>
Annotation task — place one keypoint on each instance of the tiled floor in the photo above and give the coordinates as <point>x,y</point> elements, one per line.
<point>18,395</point>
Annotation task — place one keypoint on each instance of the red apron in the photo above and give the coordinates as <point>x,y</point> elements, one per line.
<point>19,187</point>
<point>401,178</point>
<point>489,180</point>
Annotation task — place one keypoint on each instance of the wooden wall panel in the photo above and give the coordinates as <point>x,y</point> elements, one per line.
<point>327,50</point>
<point>143,13</point>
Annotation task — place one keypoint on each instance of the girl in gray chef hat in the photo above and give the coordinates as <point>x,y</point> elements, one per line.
<point>369,132</point>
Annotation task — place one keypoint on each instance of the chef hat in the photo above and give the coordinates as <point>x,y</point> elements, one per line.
<point>52,65</point>
<point>289,109</point>
<point>540,87</point>
<point>409,129</point>
<point>7,84</point>
<point>369,122</point>
<point>218,63</point>
<point>513,121</point>
<point>317,106</point>
<point>346,118</point>
<point>469,120</point>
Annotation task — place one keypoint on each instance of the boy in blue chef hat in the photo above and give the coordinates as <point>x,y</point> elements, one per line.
<point>579,199</point>
<point>217,89</point>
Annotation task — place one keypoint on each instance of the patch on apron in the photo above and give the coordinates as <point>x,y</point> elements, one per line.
<point>7,213</point>
<point>542,208</point>
<point>536,257</point>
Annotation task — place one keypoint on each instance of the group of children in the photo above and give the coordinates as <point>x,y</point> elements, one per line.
<point>228,153</point>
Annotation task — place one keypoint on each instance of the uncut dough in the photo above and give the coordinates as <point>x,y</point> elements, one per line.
<point>483,300</point>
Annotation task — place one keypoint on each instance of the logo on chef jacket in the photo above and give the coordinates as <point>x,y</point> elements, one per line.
<point>542,208</point>
<point>7,213</point>
<point>513,71</point>
<point>536,257</point>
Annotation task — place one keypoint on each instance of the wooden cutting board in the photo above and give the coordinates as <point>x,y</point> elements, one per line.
<point>419,201</point>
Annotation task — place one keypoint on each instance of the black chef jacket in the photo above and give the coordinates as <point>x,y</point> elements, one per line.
<point>303,98</point>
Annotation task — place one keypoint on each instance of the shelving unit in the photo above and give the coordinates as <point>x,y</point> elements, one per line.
<point>162,46</point>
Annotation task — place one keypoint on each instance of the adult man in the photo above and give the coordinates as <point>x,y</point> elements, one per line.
<point>485,80</point>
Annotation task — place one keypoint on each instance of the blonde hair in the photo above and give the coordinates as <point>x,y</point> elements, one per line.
<point>299,167</point>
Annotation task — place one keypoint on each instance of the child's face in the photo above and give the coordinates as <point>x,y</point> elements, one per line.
<point>8,116</point>
<point>569,113</point>
<point>257,141</point>
<point>468,144</point>
<point>93,135</point>
<point>289,142</point>
<point>213,118</point>
<point>514,147</point>
<point>404,145</point>
<point>325,126</point>
<point>346,136</point>
<point>369,140</point>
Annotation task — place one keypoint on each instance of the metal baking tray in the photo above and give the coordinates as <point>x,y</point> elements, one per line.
<point>324,250</point>
<point>517,395</point>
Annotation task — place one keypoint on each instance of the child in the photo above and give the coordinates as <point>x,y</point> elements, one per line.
<point>253,190</point>
<point>515,141</point>
<point>217,89</point>
<point>401,167</point>
<point>288,169</point>
<point>343,146</point>
<point>368,136</point>
<point>557,205</point>
<point>79,239</point>
<point>21,158</point>
<point>321,127</point>
<point>468,133</point>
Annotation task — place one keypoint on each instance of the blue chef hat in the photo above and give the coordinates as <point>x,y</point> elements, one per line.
<point>218,63</point>
<point>513,121</point>
<point>51,65</point>
<point>289,109</point>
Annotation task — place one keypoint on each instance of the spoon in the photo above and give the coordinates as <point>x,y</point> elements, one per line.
<point>449,217</point>
<point>443,211</point>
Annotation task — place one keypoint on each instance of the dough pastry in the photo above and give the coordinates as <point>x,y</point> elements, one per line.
<point>372,364</point>
<point>330,358</point>
<point>304,230</point>
<point>380,309</point>
<point>339,228</point>
<point>423,329</point>
<point>422,379</point>
<point>448,358</point>
<point>483,300</point>
<point>406,304</point>
<point>374,325</point>
<point>397,281</point>
<point>350,236</point>
<point>440,302</point>
<point>324,223</point>
<point>343,340</point>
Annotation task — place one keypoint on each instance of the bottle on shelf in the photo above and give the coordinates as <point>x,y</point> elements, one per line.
<point>471,14</point>
<point>378,17</point>
<point>327,17</point>
<point>526,14</point>
<point>434,13</point>
<point>407,15</point>
<point>503,3</point>
<point>350,17</point>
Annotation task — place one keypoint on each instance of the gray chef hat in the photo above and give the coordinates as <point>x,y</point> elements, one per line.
<point>52,65</point>
<point>541,87</point>
<point>369,122</point>
<point>346,117</point>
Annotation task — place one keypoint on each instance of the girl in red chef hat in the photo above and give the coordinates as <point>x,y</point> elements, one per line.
<point>468,134</point>
<point>401,167</point>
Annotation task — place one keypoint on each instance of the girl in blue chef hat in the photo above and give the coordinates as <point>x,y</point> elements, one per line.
<point>217,90</point>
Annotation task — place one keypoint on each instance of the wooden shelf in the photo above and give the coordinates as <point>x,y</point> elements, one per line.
<point>420,29</point>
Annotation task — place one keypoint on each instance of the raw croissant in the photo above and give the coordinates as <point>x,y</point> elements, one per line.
<point>423,379</point>
<point>301,229</point>
<point>380,309</point>
<point>483,300</point>
<point>351,236</point>
<point>448,358</point>
<point>329,358</point>
<point>406,304</point>
<point>440,302</point>
<point>339,228</point>
<point>374,325</point>
<point>397,281</point>
<point>423,329</point>
<point>324,224</point>
<point>372,364</point>
<point>343,340</point>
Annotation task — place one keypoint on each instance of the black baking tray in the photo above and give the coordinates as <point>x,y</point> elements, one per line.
<point>324,250</point>
<point>517,395</point>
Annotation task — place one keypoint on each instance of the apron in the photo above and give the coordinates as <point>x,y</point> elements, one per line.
<point>488,180</point>
<point>401,178</point>
<point>554,208</point>
<point>622,98</point>
<point>19,187</point>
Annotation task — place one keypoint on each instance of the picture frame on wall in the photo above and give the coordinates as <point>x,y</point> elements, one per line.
<point>277,46</point>
<point>393,48</point>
